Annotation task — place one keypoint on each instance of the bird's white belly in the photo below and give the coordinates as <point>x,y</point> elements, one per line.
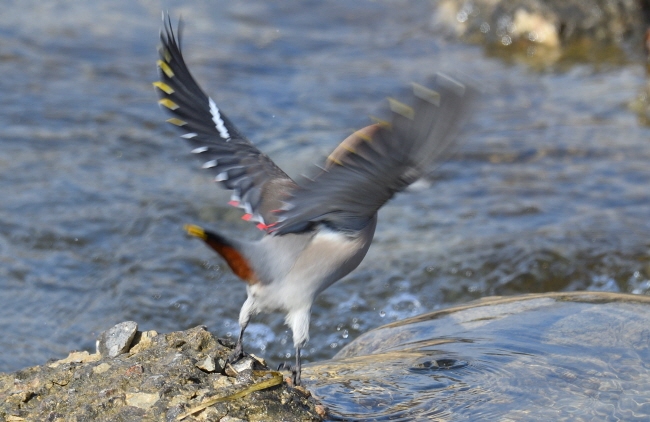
<point>329,256</point>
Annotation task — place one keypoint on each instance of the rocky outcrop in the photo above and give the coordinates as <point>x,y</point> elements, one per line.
<point>582,30</point>
<point>146,376</point>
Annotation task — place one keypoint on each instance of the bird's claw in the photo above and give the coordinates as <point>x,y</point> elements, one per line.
<point>295,376</point>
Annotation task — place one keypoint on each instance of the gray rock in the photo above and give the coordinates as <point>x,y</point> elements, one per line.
<point>117,340</point>
<point>244,364</point>
<point>208,364</point>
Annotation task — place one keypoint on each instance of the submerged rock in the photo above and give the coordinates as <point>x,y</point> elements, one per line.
<point>539,357</point>
<point>158,377</point>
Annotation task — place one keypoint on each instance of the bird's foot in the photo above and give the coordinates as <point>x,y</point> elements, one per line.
<point>295,373</point>
<point>237,354</point>
<point>295,377</point>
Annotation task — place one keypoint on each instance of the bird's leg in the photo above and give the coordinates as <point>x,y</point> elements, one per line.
<point>296,371</point>
<point>238,353</point>
<point>244,317</point>
<point>298,321</point>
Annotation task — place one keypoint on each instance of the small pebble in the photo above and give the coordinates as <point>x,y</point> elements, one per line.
<point>244,364</point>
<point>208,364</point>
<point>321,410</point>
<point>101,368</point>
<point>134,370</point>
<point>259,359</point>
<point>230,371</point>
<point>117,340</point>
<point>141,400</point>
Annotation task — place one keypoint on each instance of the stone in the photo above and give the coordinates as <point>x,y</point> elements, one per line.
<point>116,340</point>
<point>244,364</point>
<point>222,381</point>
<point>134,370</point>
<point>231,419</point>
<point>208,364</point>
<point>142,340</point>
<point>259,359</point>
<point>321,410</point>
<point>141,400</point>
<point>101,368</point>
<point>76,357</point>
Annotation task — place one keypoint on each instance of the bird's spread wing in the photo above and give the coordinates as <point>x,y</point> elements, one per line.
<point>371,165</point>
<point>257,183</point>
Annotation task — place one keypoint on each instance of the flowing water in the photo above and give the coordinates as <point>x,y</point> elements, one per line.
<point>549,191</point>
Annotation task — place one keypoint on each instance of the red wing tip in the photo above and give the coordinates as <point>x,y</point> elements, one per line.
<point>233,203</point>
<point>247,217</point>
<point>263,226</point>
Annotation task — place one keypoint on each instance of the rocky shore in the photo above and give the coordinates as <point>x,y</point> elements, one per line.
<point>550,30</point>
<point>146,376</point>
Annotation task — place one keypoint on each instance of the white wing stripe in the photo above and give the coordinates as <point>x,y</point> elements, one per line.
<point>218,122</point>
<point>257,217</point>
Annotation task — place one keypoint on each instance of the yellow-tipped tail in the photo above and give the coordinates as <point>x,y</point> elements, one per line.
<point>197,231</point>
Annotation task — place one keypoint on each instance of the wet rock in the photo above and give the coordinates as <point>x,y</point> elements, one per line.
<point>552,30</point>
<point>175,376</point>
<point>539,357</point>
<point>117,340</point>
<point>321,410</point>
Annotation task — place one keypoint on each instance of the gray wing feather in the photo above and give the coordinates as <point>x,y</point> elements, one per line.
<point>373,164</point>
<point>235,162</point>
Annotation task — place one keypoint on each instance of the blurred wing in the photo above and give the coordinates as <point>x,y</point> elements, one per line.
<point>373,164</point>
<point>257,183</point>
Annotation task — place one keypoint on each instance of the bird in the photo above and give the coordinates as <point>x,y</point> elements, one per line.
<point>318,229</point>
